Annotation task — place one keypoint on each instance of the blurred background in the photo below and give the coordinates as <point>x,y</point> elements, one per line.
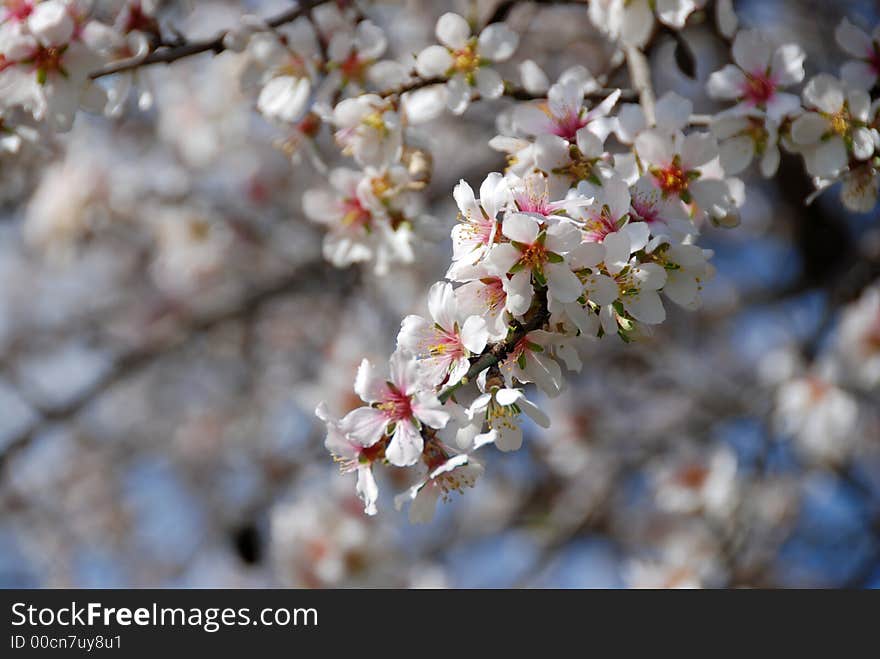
<point>168,325</point>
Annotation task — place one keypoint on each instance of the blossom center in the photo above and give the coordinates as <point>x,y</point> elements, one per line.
<point>493,293</point>
<point>818,389</point>
<point>533,256</point>
<point>355,215</point>
<point>579,168</point>
<point>645,210</point>
<point>568,124</point>
<point>446,345</point>
<point>138,20</point>
<point>294,67</point>
<point>693,476</point>
<point>673,180</point>
<point>533,202</point>
<point>375,120</point>
<point>600,224</point>
<point>466,60</point>
<point>381,186</point>
<point>354,68</point>
<point>759,88</point>
<point>478,232</point>
<point>397,406</point>
<point>840,121</point>
<point>48,60</point>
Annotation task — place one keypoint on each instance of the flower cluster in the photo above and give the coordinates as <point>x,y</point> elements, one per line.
<point>49,48</point>
<point>588,233</point>
<point>593,223</point>
<point>833,126</point>
<point>572,242</point>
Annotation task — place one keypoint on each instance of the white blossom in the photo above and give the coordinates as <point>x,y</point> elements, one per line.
<point>464,59</point>
<point>398,407</point>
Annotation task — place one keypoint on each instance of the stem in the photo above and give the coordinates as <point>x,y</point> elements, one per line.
<point>640,78</point>
<point>536,319</point>
<point>511,91</point>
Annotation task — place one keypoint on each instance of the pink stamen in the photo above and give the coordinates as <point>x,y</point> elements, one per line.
<point>528,203</point>
<point>397,405</point>
<point>644,210</point>
<point>494,293</point>
<point>568,125</point>
<point>598,226</point>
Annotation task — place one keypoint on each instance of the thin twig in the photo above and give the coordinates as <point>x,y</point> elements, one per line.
<point>640,78</point>
<point>187,49</point>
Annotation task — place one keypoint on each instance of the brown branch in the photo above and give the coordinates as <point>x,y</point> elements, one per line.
<point>136,359</point>
<point>511,91</point>
<point>536,318</point>
<point>167,55</point>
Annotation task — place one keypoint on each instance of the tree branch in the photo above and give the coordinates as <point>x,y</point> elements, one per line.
<point>503,9</point>
<point>166,55</point>
<point>640,78</point>
<point>536,319</point>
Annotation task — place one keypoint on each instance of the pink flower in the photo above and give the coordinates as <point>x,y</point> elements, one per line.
<point>398,406</point>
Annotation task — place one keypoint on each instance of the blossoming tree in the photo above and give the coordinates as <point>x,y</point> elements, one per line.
<point>588,230</point>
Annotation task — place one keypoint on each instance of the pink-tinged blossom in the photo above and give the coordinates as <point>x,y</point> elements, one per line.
<point>445,475</point>
<point>478,219</point>
<point>353,456</point>
<point>663,215</point>
<point>564,114</point>
<point>445,343</point>
<point>680,166</point>
<point>45,63</point>
<point>608,211</point>
<point>359,225</point>
<point>398,406</point>
<point>531,196</point>
<point>534,253</point>
<point>759,76</point>
<point>483,294</point>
